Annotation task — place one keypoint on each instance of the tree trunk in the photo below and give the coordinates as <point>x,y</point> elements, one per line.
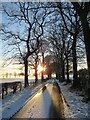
<point>86,32</point>
<point>42,76</point>
<point>63,71</point>
<point>62,68</point>
<point>67,70</point>
<point>58,77</point>
<point>36,62</point>
<point>49,76</point>
<point>58,70</point>
<point>26,73</point>
<point>36,75</point>
<point>75,75</point>
<point>88,58</point>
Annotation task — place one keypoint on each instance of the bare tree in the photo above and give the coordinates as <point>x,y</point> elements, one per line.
<point>26,41</point>
<point>57,39</point>
<point>72,25</point>
<point>49,61</point>
<point>43,50</point>
<point>68,55</point>
<point>83,10</point>
<point>34,62</point>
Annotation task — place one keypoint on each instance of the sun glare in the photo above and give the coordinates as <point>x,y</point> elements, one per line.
<point>39,68</point>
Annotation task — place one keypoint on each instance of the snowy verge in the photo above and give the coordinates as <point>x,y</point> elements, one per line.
<point>12,104</point>
<point>76,108</point>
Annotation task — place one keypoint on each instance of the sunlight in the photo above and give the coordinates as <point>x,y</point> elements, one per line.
<point>40,68</point>
<point>38,94</point>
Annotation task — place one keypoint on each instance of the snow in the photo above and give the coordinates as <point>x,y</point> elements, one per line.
<point>8,80</point>
<point>15,102</point>
<point>40,108</point>
<point>77,109</point>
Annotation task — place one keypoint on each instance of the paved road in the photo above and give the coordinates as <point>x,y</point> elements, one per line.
<point>47,103</point>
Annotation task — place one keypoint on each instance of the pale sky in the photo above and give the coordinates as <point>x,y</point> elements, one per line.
<point>15,68</point>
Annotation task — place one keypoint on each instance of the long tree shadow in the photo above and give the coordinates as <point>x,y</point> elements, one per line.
<point>56,108</point>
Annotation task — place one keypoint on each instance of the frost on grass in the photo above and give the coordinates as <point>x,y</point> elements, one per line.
<point>77,108</point>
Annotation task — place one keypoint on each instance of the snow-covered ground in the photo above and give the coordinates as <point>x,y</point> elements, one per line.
<point>15,102</point>
<point>77,108</point>
<point>7,80</point>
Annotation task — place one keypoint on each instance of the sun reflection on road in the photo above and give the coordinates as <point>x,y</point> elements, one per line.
<point>41,90</point>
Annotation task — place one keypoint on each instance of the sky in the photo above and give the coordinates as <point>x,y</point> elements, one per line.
<point>11,68</point>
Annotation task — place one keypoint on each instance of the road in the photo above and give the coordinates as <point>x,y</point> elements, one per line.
<point>47,103</point>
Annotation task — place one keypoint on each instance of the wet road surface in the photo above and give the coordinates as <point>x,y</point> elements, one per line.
<point>47,103</point>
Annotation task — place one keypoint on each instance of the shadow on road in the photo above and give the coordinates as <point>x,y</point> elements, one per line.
<point>56,108</point>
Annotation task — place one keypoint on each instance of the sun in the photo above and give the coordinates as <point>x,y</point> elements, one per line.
<point>40,68</point>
